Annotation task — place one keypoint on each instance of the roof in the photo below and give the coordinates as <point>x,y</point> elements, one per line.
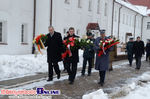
<point>143,10</point>
<point>93,26</point>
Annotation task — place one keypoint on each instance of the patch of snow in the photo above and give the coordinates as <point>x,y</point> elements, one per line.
<point>99,94</point>
<point>15,66</point>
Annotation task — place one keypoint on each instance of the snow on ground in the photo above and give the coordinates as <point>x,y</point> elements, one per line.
<point>14,66</point>
<point>96,95</point>
<point>136,88</point>
<point>140,93</point>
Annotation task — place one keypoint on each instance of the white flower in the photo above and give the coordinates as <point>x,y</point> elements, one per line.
<point>79,39</point>
<point>88,41</point>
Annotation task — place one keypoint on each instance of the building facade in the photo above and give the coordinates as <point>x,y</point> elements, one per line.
<point>22,20</point>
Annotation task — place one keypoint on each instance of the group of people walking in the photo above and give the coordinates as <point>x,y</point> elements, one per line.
<point>136,49</point>
<point>55,48</point>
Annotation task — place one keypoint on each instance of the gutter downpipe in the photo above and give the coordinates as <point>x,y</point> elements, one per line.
<point>34,25</point>
<point>112,28</point>
<point>51,12</point>
<point>119,21</point>
<point>135,24</point>
<point>142,27</point>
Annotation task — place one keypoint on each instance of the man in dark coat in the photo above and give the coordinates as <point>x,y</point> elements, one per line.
<point>129,48</point>
<point>72,61</point>
<point>54,51</point>
<point>148,50</point>
<point>138,50</point>
<point>88,55</point>
<point>102,62</point>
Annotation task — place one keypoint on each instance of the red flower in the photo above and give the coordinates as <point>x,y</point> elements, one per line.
<point>72,43</point>
<point>71,39</point>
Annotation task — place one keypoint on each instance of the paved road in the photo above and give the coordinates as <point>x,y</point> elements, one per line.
<point>83,85</point>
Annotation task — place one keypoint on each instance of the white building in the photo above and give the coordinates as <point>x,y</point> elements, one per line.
<point>21,20</point>
<point>130,20</point>
<point>17,20</point>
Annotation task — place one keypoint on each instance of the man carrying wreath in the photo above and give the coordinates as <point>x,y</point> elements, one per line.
<point>102,62</point>
<point>54,50</point>
<point>72,59</point>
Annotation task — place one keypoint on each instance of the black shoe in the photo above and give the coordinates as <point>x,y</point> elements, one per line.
<point>71,82</point>
<point>64,70</point>
<point>110,69</point>
<point>89,74</point>
<point>101,83</point>
<point>69,78</point>
<point>130,65</point>
<point>50,79</point>
<point>137,68</point>
<point>58,76</point>
<point>82,74</point>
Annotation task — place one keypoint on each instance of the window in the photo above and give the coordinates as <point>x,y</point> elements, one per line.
<point>105,13</point>
<point>90,5</point>
<point>148,25</point>
<point>98,7</point>
<point>23,33</point>
<point>65,32</point>
<point>1,29</point>
<point>78,32</point>
<point>127,20</point>
<point>67,1</point>
<point>115,16</point>
<point>130,20</point>
<point>3,32</point>
<point>123,21</point>
<point>79,4</point>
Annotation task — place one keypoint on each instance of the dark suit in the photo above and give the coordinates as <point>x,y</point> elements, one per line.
<point>54,50</point>
<point>71,62</point>
<point>88,56</point>
<point>130,51</point>
<point>147,51</point>
<point>138,50</point>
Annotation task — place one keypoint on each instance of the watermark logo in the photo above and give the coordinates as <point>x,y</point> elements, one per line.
<point>42,91</point>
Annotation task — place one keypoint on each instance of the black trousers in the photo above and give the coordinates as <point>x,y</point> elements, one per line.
<point>130,58</point>
<point>72,70</point>
<point>147,57</point>
<point>85,60</point>
<point>52,65</point>
<point>64,63</point>
<point>138,62</point>
<point>102,76</point>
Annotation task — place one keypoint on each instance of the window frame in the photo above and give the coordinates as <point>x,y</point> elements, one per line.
<point>1,41</point>
<point>98,6</point>
<point>106,9</point>
<point>67,1</point>
<point>148,25</point>
<point>24,36</point>
<point>90,6</point>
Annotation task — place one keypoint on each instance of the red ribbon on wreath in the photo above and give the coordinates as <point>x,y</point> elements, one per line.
<point>67,43</point>
<point>107,47</point>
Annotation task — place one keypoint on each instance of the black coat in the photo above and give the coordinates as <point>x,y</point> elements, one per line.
<point>75,52</point>
<point>138,48</point>
<point>148,49</point>
<point>89,50</point>
<point>54,47</point>
<point>130,48</point>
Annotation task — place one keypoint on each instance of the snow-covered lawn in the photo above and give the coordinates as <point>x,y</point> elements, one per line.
<point>14,66</point>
